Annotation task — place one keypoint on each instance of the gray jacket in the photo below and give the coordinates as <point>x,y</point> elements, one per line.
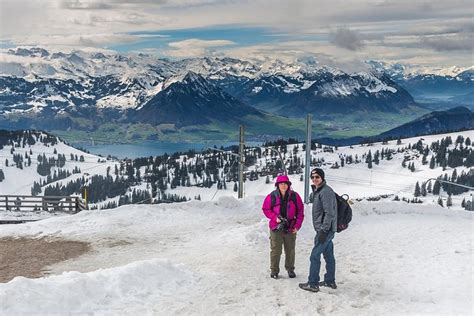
<point>324,209</point>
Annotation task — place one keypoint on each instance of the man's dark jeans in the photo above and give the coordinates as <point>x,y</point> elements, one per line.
<point>327,250</point>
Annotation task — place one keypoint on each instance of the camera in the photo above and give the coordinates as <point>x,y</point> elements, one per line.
<point>282,225</point>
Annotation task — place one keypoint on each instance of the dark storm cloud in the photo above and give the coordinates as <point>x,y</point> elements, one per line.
<point>347,39</point>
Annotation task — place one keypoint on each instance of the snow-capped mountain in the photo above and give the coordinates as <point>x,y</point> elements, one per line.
<point>452,84</point>
<point>191,100</point>
<point>35,80</point>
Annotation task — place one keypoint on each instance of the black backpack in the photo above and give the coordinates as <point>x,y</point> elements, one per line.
<point>344,212</point>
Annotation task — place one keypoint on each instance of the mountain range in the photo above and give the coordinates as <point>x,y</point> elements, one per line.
<point>453,85</point>
<point>86,91</point>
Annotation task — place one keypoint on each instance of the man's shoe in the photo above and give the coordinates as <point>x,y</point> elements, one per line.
<point>291,274</point>
<point>274,275</point>
<point>309,287</point>
<point>331,285</point>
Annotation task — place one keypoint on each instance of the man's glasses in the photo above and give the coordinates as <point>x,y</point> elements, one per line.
<point>315,177</point>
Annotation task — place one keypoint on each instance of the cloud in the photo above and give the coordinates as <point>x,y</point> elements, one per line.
<point>191,43</point>
<point>365,28</point>
<point>448,43</point>
<point>196,47</point>
<point>78,41</point>
<point>347,39</point>
<point>116,4</point>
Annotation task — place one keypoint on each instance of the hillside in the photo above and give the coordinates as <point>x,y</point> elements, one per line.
<point>438,121</point>
<point>392,171</point>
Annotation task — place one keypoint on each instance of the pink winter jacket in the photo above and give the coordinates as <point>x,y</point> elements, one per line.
<point>272,214</point>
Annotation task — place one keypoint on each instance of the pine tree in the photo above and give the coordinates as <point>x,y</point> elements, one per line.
<point>376,157</point>
<point>454,176</point>
<point>424,160</point>
<point>436,188</point>
<point>432,162</point>
<point>423,189</point>
<point>368,160</point>
<point>449,201</point>
<point>417,190</point>
<point>429,189</point>
<point>404,163</point>
<point>267,181</point>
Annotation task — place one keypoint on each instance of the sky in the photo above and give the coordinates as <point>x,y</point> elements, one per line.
<point>435,33</point>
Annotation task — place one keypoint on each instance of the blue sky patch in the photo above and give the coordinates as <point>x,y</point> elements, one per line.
<point>241,36</point>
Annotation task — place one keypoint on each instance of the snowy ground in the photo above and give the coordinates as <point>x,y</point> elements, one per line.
<point>213,258</point>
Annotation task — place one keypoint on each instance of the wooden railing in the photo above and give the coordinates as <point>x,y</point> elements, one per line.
<point>52,204</point>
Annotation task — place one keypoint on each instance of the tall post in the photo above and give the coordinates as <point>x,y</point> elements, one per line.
<point>307,166</point>
<point>241,162</point>
<point>472,201</point>
<point>85,197</point>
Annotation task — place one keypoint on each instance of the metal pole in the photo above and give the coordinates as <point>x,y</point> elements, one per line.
<point>472,201</point>
<point>241,162</point>
<point>308,159</point>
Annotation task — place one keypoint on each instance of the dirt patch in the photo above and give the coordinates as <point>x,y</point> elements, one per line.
<point>28,256</point>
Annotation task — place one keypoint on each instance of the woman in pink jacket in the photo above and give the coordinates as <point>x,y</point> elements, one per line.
<point>285,210</point>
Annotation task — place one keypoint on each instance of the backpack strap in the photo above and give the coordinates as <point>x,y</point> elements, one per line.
<point>273,196</point>
<point>292,197</point>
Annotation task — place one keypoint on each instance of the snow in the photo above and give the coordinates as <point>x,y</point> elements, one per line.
<point>212,256</point>
<point>142,278</point>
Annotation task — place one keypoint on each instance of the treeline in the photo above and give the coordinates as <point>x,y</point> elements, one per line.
<point>141,197</point>
<point>57,175</point>
<point>25,137</point>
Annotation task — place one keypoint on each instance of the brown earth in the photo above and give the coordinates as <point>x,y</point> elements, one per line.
<point>29,256</point>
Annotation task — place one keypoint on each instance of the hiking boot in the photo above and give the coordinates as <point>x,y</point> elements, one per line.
<point>274,275</point>
<point>291,274</point>
<point>309,287</point>
<point>331,285</point>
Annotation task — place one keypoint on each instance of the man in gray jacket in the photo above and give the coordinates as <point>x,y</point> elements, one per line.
<point>325,224</point>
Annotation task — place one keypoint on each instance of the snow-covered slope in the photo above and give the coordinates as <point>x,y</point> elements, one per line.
<point>213,257</point>
<point>20,181</point>
<point>388,177</point>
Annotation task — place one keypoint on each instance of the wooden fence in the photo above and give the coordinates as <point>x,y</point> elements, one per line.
<point>52,204</point>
